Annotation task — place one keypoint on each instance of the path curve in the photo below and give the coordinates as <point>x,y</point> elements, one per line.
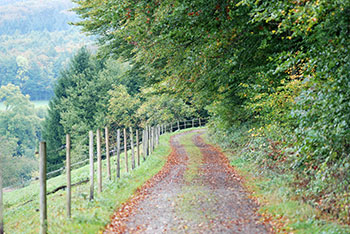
<point>197,191</point>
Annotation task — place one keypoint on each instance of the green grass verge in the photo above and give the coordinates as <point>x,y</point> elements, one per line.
<point>87,216</point>
<point>275,196</point>
<point>189,202</point>
<point>195,157</point>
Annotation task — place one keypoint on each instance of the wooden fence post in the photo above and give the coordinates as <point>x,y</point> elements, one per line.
<point>156,128</point>
<point>132,149</point>
<point>108,157</point>
<point>99,161</point>
<point>185,124</point>
<point>171,127</point>
<point>144,144</point>
<point>1,203</point>
<point>178,125</point>
<point>149,140</point>
<point>144,147</point>
<point>91,158</point>
<point>42,179</point>
<point>126,152</point>
<point>68,171</point>
<point>200,124</point>
<point>158,133</point>
<point>138,147</point>
<point>154,137</point>
<point>118,153</point>
<point>192,123</point>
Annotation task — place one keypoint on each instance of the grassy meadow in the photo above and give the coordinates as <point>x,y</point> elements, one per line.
<point>87,216</point>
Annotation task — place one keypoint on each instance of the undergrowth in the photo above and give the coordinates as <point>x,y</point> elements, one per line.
<point>291,197</point>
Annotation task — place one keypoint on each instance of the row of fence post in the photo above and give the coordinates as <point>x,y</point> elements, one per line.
<point>152,136</point>
<point>150,139</point>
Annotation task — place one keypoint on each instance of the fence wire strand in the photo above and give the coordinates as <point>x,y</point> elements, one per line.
<point>57,169</point>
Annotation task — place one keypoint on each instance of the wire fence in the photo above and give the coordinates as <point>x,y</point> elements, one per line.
<point>133,143</point>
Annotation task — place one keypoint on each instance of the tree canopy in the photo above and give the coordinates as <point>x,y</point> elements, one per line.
<point>235,54</point>
<point>267,63</point>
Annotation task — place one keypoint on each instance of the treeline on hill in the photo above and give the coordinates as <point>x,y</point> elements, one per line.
<point>279,69</point>
<point>94,93</point>
<point>18,16</point>
<point>33,61</point>
<point>36,41</point>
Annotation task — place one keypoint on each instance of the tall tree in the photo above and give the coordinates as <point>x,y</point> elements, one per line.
<point>53,129</point>
<point>80,103</point>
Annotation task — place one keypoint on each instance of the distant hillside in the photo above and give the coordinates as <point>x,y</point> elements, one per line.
<point>36,42</point>
<point>35,15</point>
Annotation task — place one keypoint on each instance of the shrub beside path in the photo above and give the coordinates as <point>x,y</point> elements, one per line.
<point>197,191</point>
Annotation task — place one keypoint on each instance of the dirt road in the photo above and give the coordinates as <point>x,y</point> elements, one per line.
<point>197,191</point>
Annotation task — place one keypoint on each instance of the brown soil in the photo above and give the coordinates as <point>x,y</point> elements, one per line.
<point>212,200</point>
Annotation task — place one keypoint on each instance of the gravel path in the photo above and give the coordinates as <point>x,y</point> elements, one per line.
<point>197,191</point>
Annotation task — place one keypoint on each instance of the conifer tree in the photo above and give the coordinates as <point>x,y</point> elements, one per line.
<point>53,130</point>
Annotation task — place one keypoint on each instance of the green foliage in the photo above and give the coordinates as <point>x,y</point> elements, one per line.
<point>122,107</point>
<point>163,108</point>
<point>33,61</point>
<point>19,133</point>
<point>36,42</point>
<point>80,104</point>
<point>266,167</point>
<point>19,121</point>
<point>146,108</point>
<point>282,66</point>
<point>15,169</point>
<point>232,54</point>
